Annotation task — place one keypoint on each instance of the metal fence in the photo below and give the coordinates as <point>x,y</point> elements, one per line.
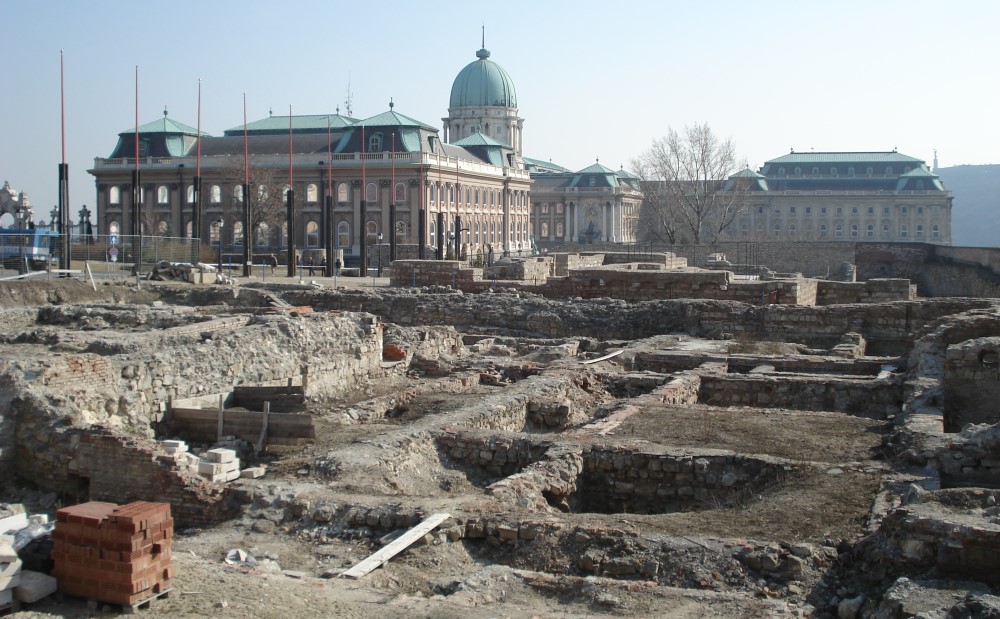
<point>39,250</point>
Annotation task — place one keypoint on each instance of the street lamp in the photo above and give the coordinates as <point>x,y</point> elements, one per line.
<point>220,224</point>
<point>379,237</point>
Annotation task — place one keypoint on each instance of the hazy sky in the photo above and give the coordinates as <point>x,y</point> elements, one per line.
<point>593,79</point>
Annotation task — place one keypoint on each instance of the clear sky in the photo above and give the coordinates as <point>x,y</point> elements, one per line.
<point>593,79</point>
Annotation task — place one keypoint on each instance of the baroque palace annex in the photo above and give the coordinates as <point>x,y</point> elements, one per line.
<point>355,180</point>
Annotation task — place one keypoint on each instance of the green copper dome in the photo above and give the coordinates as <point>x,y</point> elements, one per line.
<point>483,83</point>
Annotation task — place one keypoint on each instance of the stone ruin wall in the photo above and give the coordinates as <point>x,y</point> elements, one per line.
<point>875,399</point>
<point>889,328</point>
<point>972,383</point>
<point>639,281</point>
<point>127,389</point>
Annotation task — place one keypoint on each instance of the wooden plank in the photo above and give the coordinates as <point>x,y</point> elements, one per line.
<point>401,543</point>
<point>263,428</point>
<point>297,420</point>
<point>222,409</point>
<point>605,357</point>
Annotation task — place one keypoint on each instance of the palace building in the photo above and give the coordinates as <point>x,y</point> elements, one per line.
<point>844,196</point>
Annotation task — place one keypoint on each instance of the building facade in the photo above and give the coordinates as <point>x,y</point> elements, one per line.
<point>844,196</point>
<point>596,204</point>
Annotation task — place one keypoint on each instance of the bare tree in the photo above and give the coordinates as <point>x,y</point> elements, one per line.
<point>267,198</point>
<point>686,180</point>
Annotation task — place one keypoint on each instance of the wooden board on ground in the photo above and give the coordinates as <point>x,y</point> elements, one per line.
<point>400,544</point>
<point>607,356</point>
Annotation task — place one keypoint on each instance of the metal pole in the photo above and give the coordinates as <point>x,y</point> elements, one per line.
<point>290,223</point>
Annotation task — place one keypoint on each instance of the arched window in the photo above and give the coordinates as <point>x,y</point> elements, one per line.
<point>190,194</point>
<point>777,229</point>
<point>312,234</point>
<point>238,233</point>
<point>162,228</point>
<point>162,195</point>
<point>371,193</point>
<point>854,230</point>
<point>238,193</point>
<point>791,230</point>
<point>477,196</point>
<point>935,231</point>
<point>493,232</point>
<point>839,230</point>
<point>432,233</point>
<point>885,231</point>
<point>888,170</point>
<point>215,194</point>
<point>343,234</point>
<point>815,171</point>
<point>545,229</point>
<point>375,142</point>
<point>869,170</point>
<point>468,196</point>
<point>114,227</point>
<point>822,230</point>
<point>213,232</point>
<point>284,234</point>
<point>871,231</point>
<point>920,231</point>
<point>850,171</point>
<point>903,231</point>
<point>400,229</point>
<point>188,230</point>
<point>263,236</point>
<point>342,193</point>
<point>476,230</point>
<point>433,193</point>
<point>261,193</point>
<point>781,171</point>
<point>114,195</point>
<point>399,193</point>
<point>371,232</point>
<point>798,171</point>
<point>559,229</point>
<point>833,171</point>
<point>312,194</point>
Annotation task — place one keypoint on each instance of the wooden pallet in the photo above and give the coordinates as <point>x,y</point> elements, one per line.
<point>128,609</point>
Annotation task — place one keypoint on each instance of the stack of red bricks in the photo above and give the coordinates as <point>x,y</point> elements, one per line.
<point>120,555</point>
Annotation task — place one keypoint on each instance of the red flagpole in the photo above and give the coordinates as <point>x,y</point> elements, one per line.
<point>246,150</point>
<point>197,164</point>
<point>62,105</point>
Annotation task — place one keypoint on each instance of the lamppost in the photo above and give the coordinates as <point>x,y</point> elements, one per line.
<point>54,218</point>
<point>220,224</point>
<point>379,237</point>
<point>84,215</point>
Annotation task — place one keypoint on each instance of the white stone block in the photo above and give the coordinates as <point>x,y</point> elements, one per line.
<point>209,468</point>
<point>253,472</point>
<point>9,569</point>
<point>9,582</point>
<point>34,586</point>
<point>13,523</point>
<point>220,455</point>
<point>7,552</point>
<point>232,475</point>
<point>172,446</point>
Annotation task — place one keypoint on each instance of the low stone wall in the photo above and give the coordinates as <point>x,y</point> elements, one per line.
<point>534,269</point>
<point>487,455</point>
<point>971,459</point>
<point>414,273</point>
<point>875,399</point>
<point>971,383</point>
<point>627,479</point>
<point>871,291</point>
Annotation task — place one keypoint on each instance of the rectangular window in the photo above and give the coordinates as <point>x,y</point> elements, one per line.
<point>854,210</point>
<point>885,210</point>
<point>822,211</point>
<point>871,210</point>
<point>920,210</point>
<point>840,211</point>
<point>777,211</point>
<point>809,210</point>
<point>791,210</point>
<point>904,210</point>
<point>760,210</point>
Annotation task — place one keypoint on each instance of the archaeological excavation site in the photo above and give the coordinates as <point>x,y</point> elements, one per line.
<point>568,435</point>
